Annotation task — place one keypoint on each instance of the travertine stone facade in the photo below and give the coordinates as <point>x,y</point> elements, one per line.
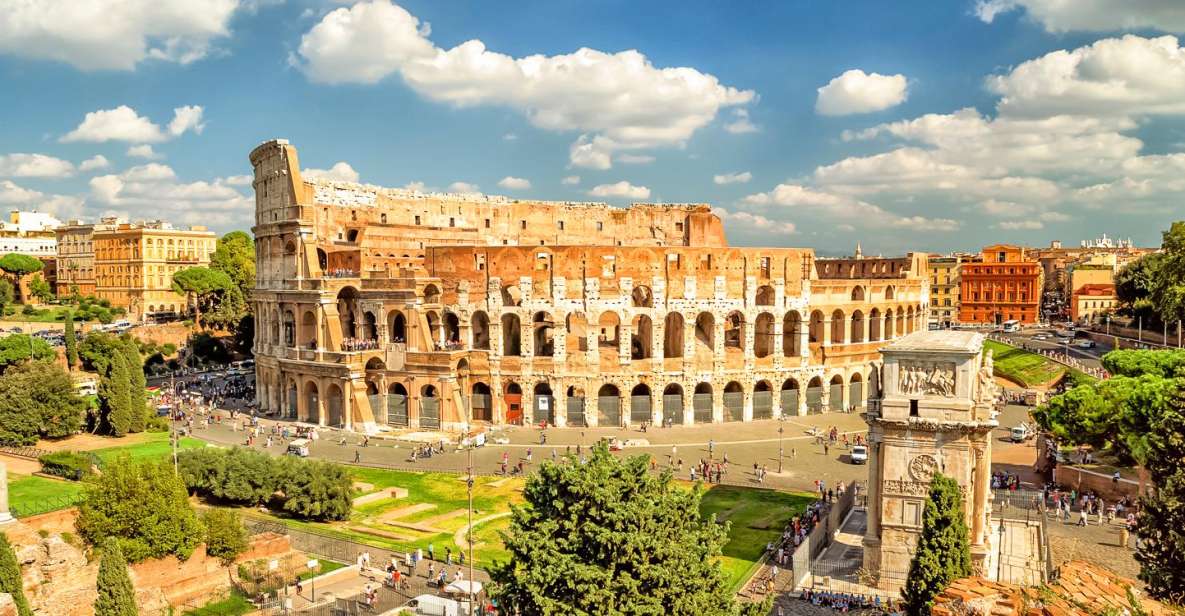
<point>935,415</point>
<point>381,306</point>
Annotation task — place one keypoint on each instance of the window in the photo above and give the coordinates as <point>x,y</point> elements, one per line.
<point>452,222</point>
<point>560,224</point>
<point>1000,256</point>
<point>913,408</point>
<point>600,225</point>
<point>679,227</point>
<point>417,219</point>
<point>487,223</point>
<point>522,224</point>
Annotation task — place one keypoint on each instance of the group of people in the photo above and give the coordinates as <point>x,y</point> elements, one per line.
<point>340,273</point>
<point>1005,481</point>
<point>1089,504</point>
<point>844,602</point>
<point>359,344</point>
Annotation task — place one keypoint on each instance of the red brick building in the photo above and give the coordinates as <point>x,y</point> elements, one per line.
<point>1004,285</point>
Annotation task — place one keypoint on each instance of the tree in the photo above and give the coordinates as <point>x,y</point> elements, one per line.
<point>1161,524</point>
<point>38,399</point>
<point>15,349</point>
<point>71,341</point>
<point>144,507</point>
<point>201,286</point>
<point>116,597</point>
<point>609,537</point>
<point>1135,283</point>
<point>316,490</point>
<point>40,289</point>
<point>115,402</point>
<point>235,256</point>
<point>18,266</point>
<point>6,294</point>
<point>226,537</point>
<point>10,577</point>
<point>943,552</point>
<point>137,394</point>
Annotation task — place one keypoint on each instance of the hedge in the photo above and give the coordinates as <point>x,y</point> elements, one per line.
<point>67,464</point>
<point>306,489</point>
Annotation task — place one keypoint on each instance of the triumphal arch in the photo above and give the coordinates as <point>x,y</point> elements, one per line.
<point>936,415</point>
<point>392,307</point>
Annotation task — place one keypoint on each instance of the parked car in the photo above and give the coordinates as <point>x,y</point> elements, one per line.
<point>1019,433</point>
<point>299,447</point>
<point>1086,344</point>
<point>859,454</point>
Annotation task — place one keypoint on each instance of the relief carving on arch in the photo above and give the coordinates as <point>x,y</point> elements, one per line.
<point>925,378</point>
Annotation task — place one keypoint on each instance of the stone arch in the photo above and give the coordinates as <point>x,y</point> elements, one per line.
<point>858,293</point>
<point>511,295</point>
<point>890,292</point>
<point>816,327</point>
<point>543,331</point>
<point>734,330</point>
<point>837,326</point>
<point>397,326</point>
<point>705,332</point>
<point>452,328</point>
<point>734,401</point>
<point>765,295</point>
<point>347,303</point>
<point>641,389</point>
<point>335,405</point>
<point>372,388</point>
<point>672,335</point>
<point>888,330</point>
<point>763,335</point>
<point>481,402</point>
<point>375,363</point>
<point>609,329</point>
<point>641,337</point>
<point>370,328</point>
<point>576,326</point>
<point>674,389</point>
<point>857,327</point>
<point>909,317</point>
<point>874,325</point>
<point>308,329</point>
<point>479,329</point>
<point>900,328</point>
<point>431,294</point>
<point>312,402</point>
<point>511,335</point>
<point>289,328</point>
<point>642,297</point>
<point>791,334</point>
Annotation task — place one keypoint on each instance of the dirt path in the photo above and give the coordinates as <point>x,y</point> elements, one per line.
<point>20,466</point>
<point>459,536</point>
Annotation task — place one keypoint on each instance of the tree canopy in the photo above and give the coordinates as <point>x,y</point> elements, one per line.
<point>943,552</point>
<point>38,399</point>
<point>1154,285</point>
<point>10,577</point>
<point>19,265</point>
<point>235,256</point>
<point>116,595</point>
<point>203,286</point>
<point>609,537</point>
<point>15,349</point>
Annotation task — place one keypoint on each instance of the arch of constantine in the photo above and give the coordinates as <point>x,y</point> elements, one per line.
<point>387,306</point>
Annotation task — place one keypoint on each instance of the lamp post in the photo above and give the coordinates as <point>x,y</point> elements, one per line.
<point>781,423</point>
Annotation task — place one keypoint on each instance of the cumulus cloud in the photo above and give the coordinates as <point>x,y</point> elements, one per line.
<point>617,101</point>
<point>755,222</point>
<point>416,187</point>
<point>144,151</point>
<point>622,189</point>
<point>154,191</point>
<point>463,188</point>
<point>34,166</point>
<point>124,124</point>
<point>340,171</point>
<point>858,92</point>
<point>98,161</point>
<point>1020,225</point>
<point>635,159</point>
<point>795,199</point>
<point>14,195</point>
<point>240,180</point>
<point>513,183</point>
<point>114,34</point>
<point>733,178</point>
<point>570,180</point>
<point>740,123</point>
<point>1091,15</point>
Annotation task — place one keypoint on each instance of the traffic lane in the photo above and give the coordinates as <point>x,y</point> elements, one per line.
<point>1090,357</point>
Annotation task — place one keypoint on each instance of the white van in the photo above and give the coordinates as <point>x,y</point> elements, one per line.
<point>1019,433</point>
<point>299,447</point>
<point>431,605</point>
<point>859,454</point>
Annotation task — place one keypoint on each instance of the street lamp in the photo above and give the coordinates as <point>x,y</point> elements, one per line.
<point>781,423</point>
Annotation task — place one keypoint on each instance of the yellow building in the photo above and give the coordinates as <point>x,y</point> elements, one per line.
<point>944,291</point>
<point>76,257</point>
<point>135,263</point>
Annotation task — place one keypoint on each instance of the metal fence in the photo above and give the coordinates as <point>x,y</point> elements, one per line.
<point>31,507</point>
<point>23,451</point>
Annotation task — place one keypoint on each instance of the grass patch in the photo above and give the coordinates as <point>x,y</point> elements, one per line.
<point>234,605</point>
<point>1022,367</point>
<point>324,567</point>
<point>31,495</point>
<point>756,517</point>
<point>151,445</point>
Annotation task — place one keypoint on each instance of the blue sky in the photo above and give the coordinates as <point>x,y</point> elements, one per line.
<point>930,126</point>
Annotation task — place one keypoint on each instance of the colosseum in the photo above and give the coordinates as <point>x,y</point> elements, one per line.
<point>388,307</point>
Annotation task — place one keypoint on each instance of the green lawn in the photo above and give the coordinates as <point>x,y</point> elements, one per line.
<point>756,517</point>
<point>151,445</point>
<point>325,567</point>
<point>1022,367</point>
<point>30,495</point>
<point>234,605</point>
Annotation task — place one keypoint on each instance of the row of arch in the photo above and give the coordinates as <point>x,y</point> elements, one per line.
<point>643,297</point>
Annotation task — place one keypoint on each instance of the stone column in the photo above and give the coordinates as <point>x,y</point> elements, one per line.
<point>980,477</point>
<point>5,516</point>
<point>747,409</point>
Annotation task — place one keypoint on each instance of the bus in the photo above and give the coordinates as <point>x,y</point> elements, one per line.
<point>1012,326</point>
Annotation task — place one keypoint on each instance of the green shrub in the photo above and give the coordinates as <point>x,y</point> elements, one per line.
<point>226,537</point>
<point>28,309</point>
<point>156,423</point>
<point>67,464</point>
<point>306,489</point>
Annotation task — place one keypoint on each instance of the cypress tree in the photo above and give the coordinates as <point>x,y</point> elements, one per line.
<point>137,395</point>
<point>1161,524</point>
<point>10,577</point>
<point>944,549</point>
<point>71,342</point>
<point>116,597</point>
<point>114,395</point>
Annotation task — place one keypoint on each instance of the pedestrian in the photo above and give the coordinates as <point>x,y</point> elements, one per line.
<point>825,448</point>
<point>431,551</point>
<point>357,456</point>
<point>793,453</point>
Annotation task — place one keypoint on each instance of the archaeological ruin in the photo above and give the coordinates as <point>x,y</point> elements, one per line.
<point>380,306</point>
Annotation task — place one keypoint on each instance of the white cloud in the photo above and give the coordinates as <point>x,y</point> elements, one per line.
<point>150,172</point>
<point>416,187</point>
<point>570,180</point>
<point>124,124</point>
<point>740,123</point>
<point>805,201</point>
<point>591,153</point>
<point>858,92</point>
<point>756,222</point>
<point>635,159</point>
<point>509,137</point>
<point>1004,209</point>
<point>620,97</point>
<point>1020,225</point>
<point>114,34</point>
<point>144,151</point>
<point>463,188</point>
<point>98,161</point>
<point>240,180</point>
<point>513,183</point>
<point>620,189</point>
<point>34,166</point>
<point>1124,76</point>
<point>153,191</point>
<point>16,196</point>
<point>1092,15</point>
<point>340,171</point>
<point>733,178</point>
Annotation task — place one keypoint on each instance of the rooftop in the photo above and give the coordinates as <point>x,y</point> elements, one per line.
<point>938,340</point>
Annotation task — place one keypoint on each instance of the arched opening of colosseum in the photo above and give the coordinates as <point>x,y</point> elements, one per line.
<point>701,403</point>
<point>763,400</point>
<point>814,395</point>
<point>705,334</point>
<point>511,295</point>
<point>289,328</point>
<point>734,401</point>
<point>347,303</point>
<point>765,295</point>
<point>789,397</point>
<point>874,325</point>
<point>734,330</point>
<point>857,293</point>
<point>431,294</point>
<point>672,335</point>
<point>308,330</point>
<point>900,329</point>
<point>836,392</point>
<point>334,399</point>
<point>888,330</point>
<point>352,236</point>
<point>513,399</point>
<point>397,325</point>
<point>544,403</point>
<point>322,260</point>
<point>544,328</point>
<point>838,324</point>
<point>452,328</point>
<point>791,334</point>
<point>856,390</point>
<point>479,325</point>
<point>372,388</point>
<point>641,337</point>
<point>874,383</point>
<point>433,333</point>
<point>511,335</point>
<point>370,329</point>
<point>609,405</point>
<point>889,292</point>
<point>312,404</point>
<point>909,324</point>
<point>481,403</point>
<point>763,335</point>
<point>375,363</point>
<point>609,326</point>
<point>576,326</point>
<point>815,330</point>
<point>857,326</point>
<point>672,404</point>
<point>642,297</point>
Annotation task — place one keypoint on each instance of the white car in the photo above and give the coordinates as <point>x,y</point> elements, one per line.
<point>859,454</point>
<point>1086,344</point>
<point>1019,433</point>
<point>1041,337</point>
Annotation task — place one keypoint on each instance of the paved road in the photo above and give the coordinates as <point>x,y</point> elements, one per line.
<point>1089,357</point>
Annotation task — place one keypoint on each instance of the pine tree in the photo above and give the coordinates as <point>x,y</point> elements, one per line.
<point>943,551</point>
<point>10,577</point>
<point>71,341</point>
<point>116,597</point>
<point>137,394</point>
<point>114,392</point>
